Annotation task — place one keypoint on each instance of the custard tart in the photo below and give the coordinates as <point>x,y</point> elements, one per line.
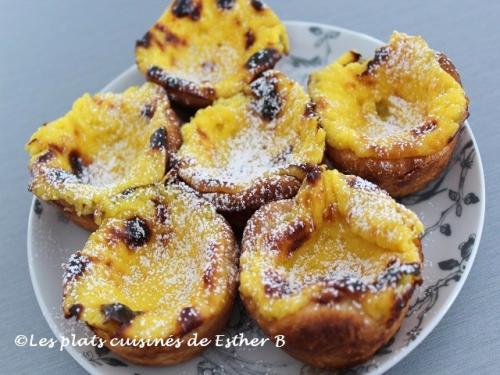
<point>159,271</point>
<point>332,269</point>
<point>105,144</point>
<point>252,148</point>
<point>395,119</point>
<point>201,50</point>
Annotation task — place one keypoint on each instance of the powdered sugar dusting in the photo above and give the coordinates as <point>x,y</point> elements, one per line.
<point>393,127</point>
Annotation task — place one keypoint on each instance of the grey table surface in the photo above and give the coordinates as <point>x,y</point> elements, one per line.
<point>54,50</point>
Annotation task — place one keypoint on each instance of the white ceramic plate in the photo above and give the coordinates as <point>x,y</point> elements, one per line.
<point>452,209</point>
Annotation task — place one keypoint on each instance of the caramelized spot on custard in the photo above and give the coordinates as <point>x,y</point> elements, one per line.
<point>427,127</point>
<point>158,139</point>
<point>75,267</point>
<point>274,285</point>
<point>381,55</point>
<point>394,272</point>
<point>201,133</point>
<point>249,39</point>
<point>148,111</point>
<point>75,310</point>
<point>310,110</point>
<point>56,148</point>
<point>118,313</point>
<point>355,56</point>
<point>314,175</point>
<point>262,60</point>
<point>268,101</point>
<point>226,4</point>
<point>145,41</point>
<point>76,163</point>
<point>291,238</point>
<point>160,77</point>
<point>330,212</point>
<point>161,212</point>
<point>208,276</point>
<point>187,8</point>
<point>448,66</point>
<point>183,113</point>
<point>137,232</point>
<point>170,37</point>
<point>257,5</point>
<point>128,191</point>
<point>45,157</point>
<point>189,319</point>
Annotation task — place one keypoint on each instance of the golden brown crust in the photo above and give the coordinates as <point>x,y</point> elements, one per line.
<point>174,136</point>
<point>448,66</point>
<point>326,337</point>
<point>259,193</point>
<point>399,177</point>
<point>403,176</point>
<point>238,208</point>
<point>86,221</point>
<point>182,91</point>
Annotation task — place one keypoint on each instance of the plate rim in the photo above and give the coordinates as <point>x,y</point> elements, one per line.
<point>388,364</point>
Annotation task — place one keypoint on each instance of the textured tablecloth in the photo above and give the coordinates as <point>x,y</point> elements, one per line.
<point>53,51</point>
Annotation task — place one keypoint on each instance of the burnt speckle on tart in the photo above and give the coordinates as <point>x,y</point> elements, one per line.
<point>249,39</point>
<point>262,60</point>
<point>187,8</point>
<point>258,5</point>
<point>268,101</point>
<point>75,311</point>
<point>148,110</point>
<point>158,139</point>
<point>75,267</point>
<point>189,319</point>
<point>76,162</point>
<point>118,313</point>
<point>144,41</point>
<point>137,232</point>
<point>226,4</point>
